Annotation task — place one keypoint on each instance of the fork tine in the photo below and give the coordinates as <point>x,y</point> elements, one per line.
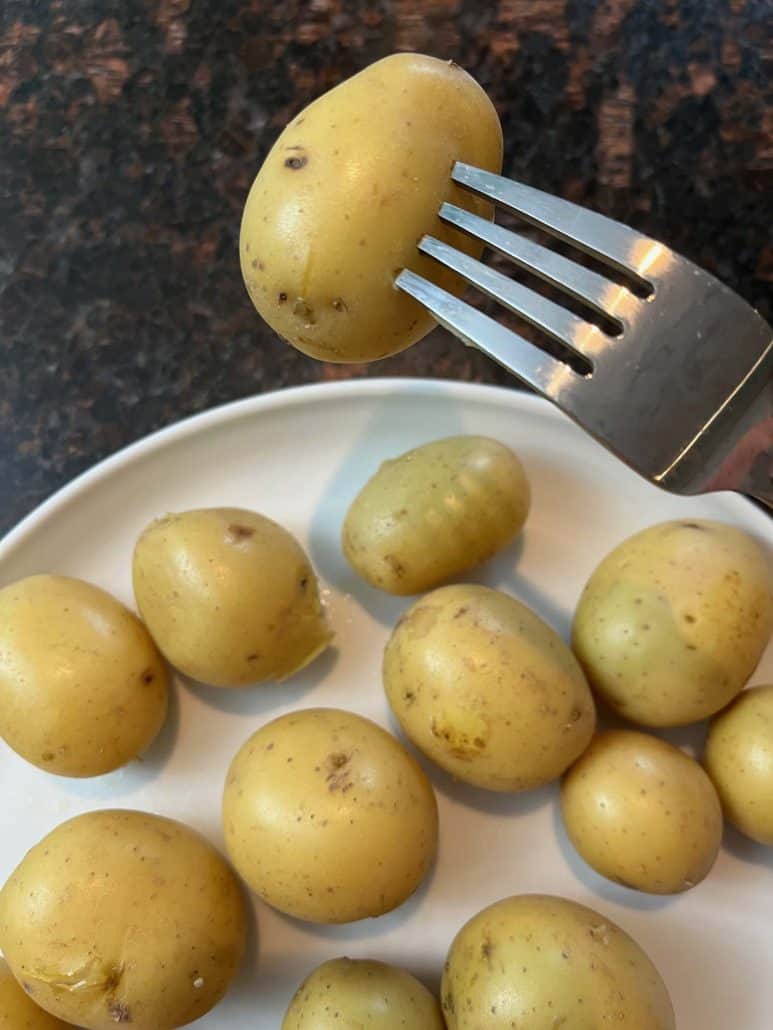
<point>562,325</point>
<point>534,366</point>
<point>600,293</point>
<point>611,241</point>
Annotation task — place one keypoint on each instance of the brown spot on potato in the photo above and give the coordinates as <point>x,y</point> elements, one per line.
<point>304,311</point>
<point>119,1012</point>
<point>296,161</point>
<point>148,676</point>
<point>339,773</point>
<point>282,297</point>
<point>238,532</point>
<point>253,657</point>
<point>339,304</point>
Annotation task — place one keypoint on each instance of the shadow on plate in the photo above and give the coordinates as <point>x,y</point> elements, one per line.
<point>745,849</point>
<point>262,698</point>
<point>138,773</point>
<point>599,885</point>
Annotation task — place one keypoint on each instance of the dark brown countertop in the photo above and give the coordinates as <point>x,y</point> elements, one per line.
<point>130,131</point>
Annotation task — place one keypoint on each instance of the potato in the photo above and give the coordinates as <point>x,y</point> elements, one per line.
<point>350,994</point>
<point>328,818</point>
<point>345,194</point>
<point>543,962</point>
<point>123,917</point>
<point>435,512</point>
<point>673,622</point>
<point>642,813</point>
<point>487,690</point>
<point>229,596</point>
<point>83,689</point>
<point>739,760</point>
<point>18,1011</point>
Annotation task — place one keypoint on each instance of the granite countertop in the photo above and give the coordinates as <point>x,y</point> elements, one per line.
<point>131,130</point>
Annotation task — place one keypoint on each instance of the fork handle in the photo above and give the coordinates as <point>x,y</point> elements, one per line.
<point>748,467</point>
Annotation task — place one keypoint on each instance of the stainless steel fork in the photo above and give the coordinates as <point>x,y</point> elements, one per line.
<point>679,384</point>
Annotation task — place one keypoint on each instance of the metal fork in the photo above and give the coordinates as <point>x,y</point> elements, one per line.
<point>679,385</point>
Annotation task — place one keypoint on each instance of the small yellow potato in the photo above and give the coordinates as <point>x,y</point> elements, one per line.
<point>328,818</point>
<point>83,689</point>
<point>739,760</point>
<point>352,994</point>
<point>487,690</point>
<point>642,813</point>
<point>18,1011</point>
<point>545,963</point>
<point>673,622</point>
<point>346,193</point>
<point>435,512</point>
<point>229,596</point>
<point>123,917</point>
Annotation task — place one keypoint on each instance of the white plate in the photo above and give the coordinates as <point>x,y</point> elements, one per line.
<point>300,456</point>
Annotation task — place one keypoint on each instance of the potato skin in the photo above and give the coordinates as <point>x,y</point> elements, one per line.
<point>345,194</point>
<point>83,689</point>
<point>123,917</point>
<point>486,689</point>
<point>435,512</point>
<point>348,994</point>
<point>18,1011</point>
<point>739,760</point>
<point>544,962</point>
<point>673,622</point>
<point>642,813</point>
<point>229,596</point>
<point>328,818</point>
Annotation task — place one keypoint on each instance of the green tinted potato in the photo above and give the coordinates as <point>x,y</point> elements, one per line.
<point>229,596</point>
<point>544,963</point>
<point>435,512</point>
<point>642,813</point>
<point>18,1011</point>
<point>123,917</point>
<point>739,760</point>
<point>486,689</point>
<point>351,994</point>
<point>83,689</point>
<point>345,194</point>
<point>328,818</point>
<point>673,622</point>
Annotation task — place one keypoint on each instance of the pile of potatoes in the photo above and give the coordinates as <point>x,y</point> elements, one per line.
<point>326,816</point>
<point>124,917</point>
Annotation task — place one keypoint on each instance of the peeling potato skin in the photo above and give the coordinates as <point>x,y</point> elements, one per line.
<point>344,196</point>
<point>328,818</point>
<point>673,622</point>
<point>83,689</point>
<point>642,813</point>
<point>229,596</point>
<point>487,690</point>
<point>122,917</point>
<point>346,994</point>
<point>435,512</point>
<point>547,963</point>
<point>739,760</point>
<point>18,1011</point>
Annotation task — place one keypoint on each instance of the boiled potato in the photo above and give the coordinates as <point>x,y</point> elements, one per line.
<point>673,622</point>
<point>543,962</point>
<point>83,689</point>
<point>487,690</point>
<point>328,818</point>
<point>435,512</point>
<point>350,994</point>
<point>739,760</point>
<point>229,596</point>
<point>642,813</point>
<point>18,1011</point>
<point>346,193</point>
<point>123,917</point>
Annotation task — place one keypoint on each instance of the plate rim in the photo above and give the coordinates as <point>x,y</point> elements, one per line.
<point>294,396</point>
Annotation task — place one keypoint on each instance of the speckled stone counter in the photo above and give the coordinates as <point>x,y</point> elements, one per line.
<point>130,131</point>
